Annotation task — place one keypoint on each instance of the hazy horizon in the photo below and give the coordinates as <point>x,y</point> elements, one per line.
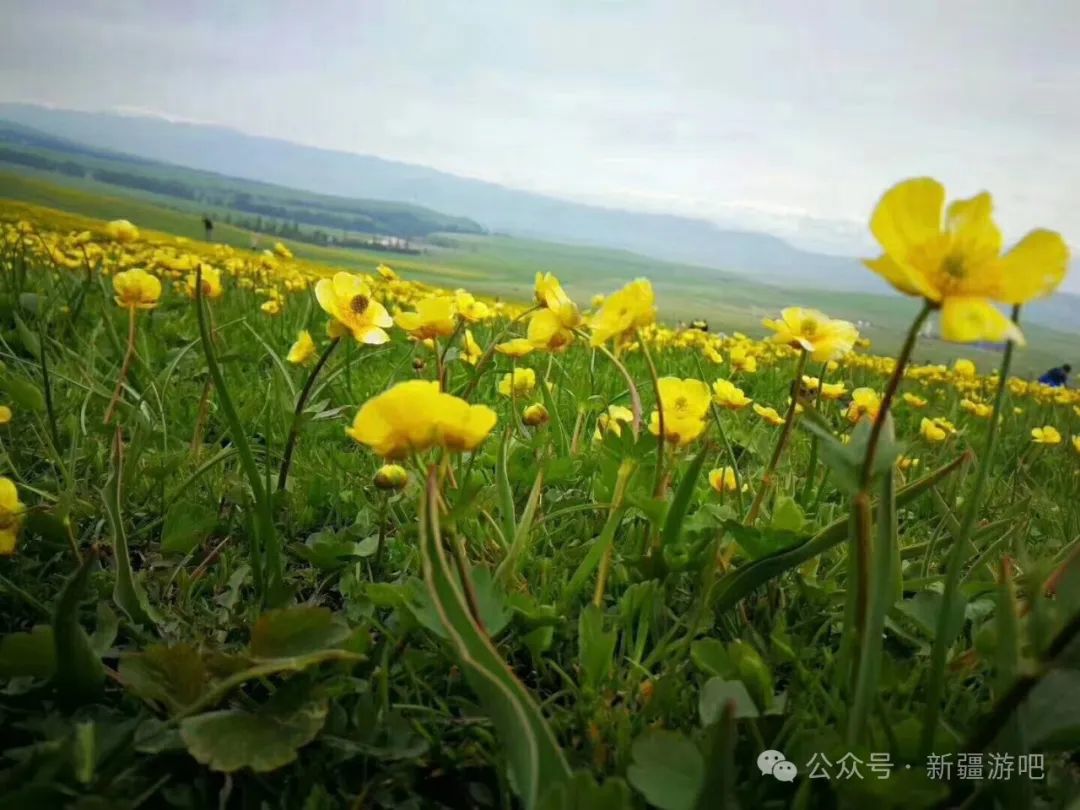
<point>778,120</point>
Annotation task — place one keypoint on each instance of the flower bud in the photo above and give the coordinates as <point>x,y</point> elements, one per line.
<point>391,476</point>
<point>534,415</point>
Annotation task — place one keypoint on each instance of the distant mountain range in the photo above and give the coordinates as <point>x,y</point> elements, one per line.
<point>496,208</point>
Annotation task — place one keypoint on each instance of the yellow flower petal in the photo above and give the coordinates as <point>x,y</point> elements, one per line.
<point>908,215</point>
<point>1034,267</point>
<point>971,320</point>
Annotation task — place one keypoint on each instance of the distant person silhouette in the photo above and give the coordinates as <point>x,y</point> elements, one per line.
<point>208,226</point>
<point>1056,377</point>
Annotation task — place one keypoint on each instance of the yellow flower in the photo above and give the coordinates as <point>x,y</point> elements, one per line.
<point>769,414</point>
<point>685,403</point>
<point>271,306</point>
<point>914,400</point>
<point>11,516</point>
<point>722,479</point>
<point>728,395</point>
<point>120,230</point>
<point>281,251</point>
<point>935,430</point>
<point>979,409</point>
<point>434,317</point>
<point>303,349</point>
<point>386,272</point>
<point>5,414</point>
<point>535,414</point>
<point>469,308</point>
<point>550,294</point>
<point>742,360</point>
<point>1045,435</point>
<point>211,283</point>
<point>810,383</point>
<point>415,415</point>
<point>906,463</point>
<point>612,420</point>
<point>136,289</point>
<point>522,381</point>
<point>518,347</point>
<point>954,261</point>
<point>391,476</point>
<point>712,354</point>
<point>833,390</point>
<point>472,352</point>
<point>864,402</point>
<point>964,369</point>
<point>814,332</point>
<point>623,312</point>
<point>348,301</point>
<point>546,331</point>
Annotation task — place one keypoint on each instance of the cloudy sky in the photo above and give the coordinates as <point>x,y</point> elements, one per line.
<point>785,116</point>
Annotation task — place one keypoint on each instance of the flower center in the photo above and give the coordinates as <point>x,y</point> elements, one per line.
<point>359,304</point>
<point>808,327</point>
<point>953,266</point>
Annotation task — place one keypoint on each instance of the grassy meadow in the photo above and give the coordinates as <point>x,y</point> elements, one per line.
<point>305,527</point>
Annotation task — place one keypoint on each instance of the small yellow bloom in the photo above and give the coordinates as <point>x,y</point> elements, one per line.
<point>685,403</point>
<point>914,400</point>
<point>391,476</point>
<point>742,360</point>
<point>386,272</point>
<point>550,294</point>
<point>347,299</point>
<point>136,289</point>
<point>722,480</point>
<point>814,332</point>
<point>864,402</point>
<point>11,516</point>
<point>472,351</point>
<point>712,355</point>
<point>469,308</point>
<point>833,391</point>
<point>434,317</point>
<point>952,258</point>
<point>810,383</point>
<point>272,306</point>
<point>211,283</point>
<point>547,331</point>
<point>281,251</point>
<point>5,414</point>
<point>906,463</point>
<point>534,415</point>
<point>612,420</point>
<point>120,230</point>
<point>964,369</point>
<point>303,349</point>
<point>728,395</point>
<point>623,312</point>
<point>1047,434</point>
<point>935,430</point>
<point>769,414</point>
<point>519,383</point>
<point>979,409</point>
<point>518,347</point>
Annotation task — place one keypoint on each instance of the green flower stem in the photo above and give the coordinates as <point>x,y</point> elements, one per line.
<point>781,443</point>
<point>658,481</point>
<point>298,413</point>
<point>635,398</point>
<point>890,392</point>
<point>936,685</point>
<point>811,467</point>
<point>489,352</point>
<point>723,438</point>
<point>129,353</point>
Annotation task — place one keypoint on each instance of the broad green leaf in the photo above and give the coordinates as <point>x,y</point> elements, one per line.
<point>680,503</point>
<point>173,676</point>
<point>787,516</point>
<point>127,592</point>
<point>758,542</point>
<point>716,693</point>
<point>232,739</point>
<point>536,761</point>
<point>30,654</point>
<point>754,672</point>
<point>295,631</point>
<point>79,676</point>
<point>187,524</point>
<point>668,769</point>
<point>28,338</point>
<point>581,792</point>
<point>712,658</point>
<point>24,394</point>
<point>1051,715</point>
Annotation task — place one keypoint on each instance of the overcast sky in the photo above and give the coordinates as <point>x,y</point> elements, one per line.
<point>785,116</point>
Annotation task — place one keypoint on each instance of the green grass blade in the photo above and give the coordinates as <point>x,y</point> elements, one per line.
<point>536,760</point>
<point>508,568</point>
<point>681,502</point>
